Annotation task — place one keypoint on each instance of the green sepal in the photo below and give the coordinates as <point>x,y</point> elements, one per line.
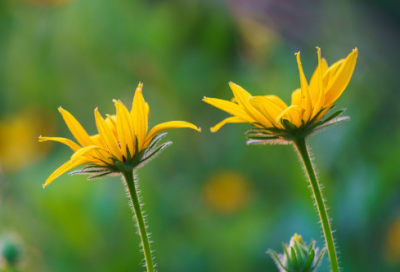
<point>129,164</point>
<point>294,259</point>
<point>309,261</point>
<point>128,154</point>
<point>334,115</point>
<point>102,175</point>
<point>289,263</point>
<point>288,125</point>
<point>319,259</point>
<point>300,257</point>
<point>275,257</point>
<point>122,166</point>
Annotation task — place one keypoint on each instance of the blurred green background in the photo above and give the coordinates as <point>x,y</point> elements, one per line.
<point>213,203</point>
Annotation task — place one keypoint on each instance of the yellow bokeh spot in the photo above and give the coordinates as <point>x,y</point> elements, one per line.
<point>19,146</point>
<point>227,192</point>
<point>392,245</point>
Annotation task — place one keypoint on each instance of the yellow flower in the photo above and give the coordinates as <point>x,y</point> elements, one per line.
<point>310,102</point>
<point>18,145</point>
<point>123,142</point>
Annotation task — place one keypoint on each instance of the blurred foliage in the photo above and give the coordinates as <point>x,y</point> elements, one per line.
<point>82,54</point>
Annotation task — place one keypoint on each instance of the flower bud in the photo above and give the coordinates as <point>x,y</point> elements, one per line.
<point>10,250</point>
<point>297,256</point>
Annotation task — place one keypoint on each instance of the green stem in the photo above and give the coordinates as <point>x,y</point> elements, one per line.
<point>133,193</point>
<point>301,146</point>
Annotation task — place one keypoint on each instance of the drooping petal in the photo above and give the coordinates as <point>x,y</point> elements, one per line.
<point>168,125</point>
<point>306,102</point>
<point>64,168</point>
<point>75,127</point>
<point>341,78</point>
<point>229,107</point>
<point>293,114</point>
<point>232,119</point>
<point>243,98</point>
<point>139,116</point>
<point>107,136</point>
<point>83,151</point>
<point>65,141</point>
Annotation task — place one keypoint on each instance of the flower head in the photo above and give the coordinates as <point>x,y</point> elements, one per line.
<point>123,142</point>
<point>276,122</point>
<point>297,256</point>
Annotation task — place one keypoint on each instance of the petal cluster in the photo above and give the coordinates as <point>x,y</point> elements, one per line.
<point>120,137</point>
<point>310,102</point>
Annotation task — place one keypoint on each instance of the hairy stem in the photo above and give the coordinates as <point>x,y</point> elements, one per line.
<point>133,193</point>
<point>301,147</point>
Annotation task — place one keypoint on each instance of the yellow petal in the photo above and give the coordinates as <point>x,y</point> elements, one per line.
<point>314,82</point>
<point>341,78</point>
<point>296,97</point>
<point>64,168</point>
<point>243,97</point>
<point>320,90</point>
<point>279,102</point>
<point>111,121</point>
<point>101,153</point>
<point>97,140</point>
<point>327,108</point>
<point>268,108</point>
<point>125,129</point>
<point>331,72</point>
<point>65,141</point>
<point>306,102</point>
<point>147,115</point>
<point>233,119</point>
<point>75,127</point>
<point>293,113</point>
<point>139,116</point>
<point>168,125</point>
<point>84,151</point>
<point>230,108</point>
<point>107,136</point>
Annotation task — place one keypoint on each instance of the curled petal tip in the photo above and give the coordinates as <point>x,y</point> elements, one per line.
<point>44,185</point>
<point>139,87</point>
<point>199,129</point>
<point>296,54</point>
<point>319,49</point>
<point>60,109</point>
